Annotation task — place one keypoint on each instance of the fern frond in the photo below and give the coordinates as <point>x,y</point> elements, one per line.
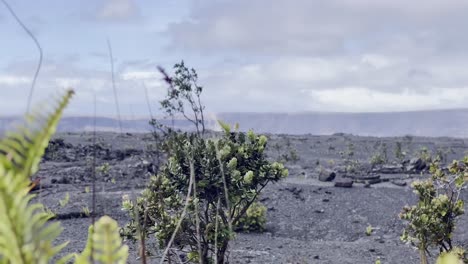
<point>25,234</point>
<point>23,149</point>
<point>104,243</point>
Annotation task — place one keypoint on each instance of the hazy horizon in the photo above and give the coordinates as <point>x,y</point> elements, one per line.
<point>252,56</point>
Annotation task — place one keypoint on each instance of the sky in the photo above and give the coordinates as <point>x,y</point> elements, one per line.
<point>250,55</point>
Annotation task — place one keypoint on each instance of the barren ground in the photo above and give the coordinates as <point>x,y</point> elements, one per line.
<point>309,221</point>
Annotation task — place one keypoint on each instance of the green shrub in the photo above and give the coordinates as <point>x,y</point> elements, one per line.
<point>455,256</point>
<point>432,220</point>
<point>377,159</point>
<point>203,190</point>
<point>254,219</point>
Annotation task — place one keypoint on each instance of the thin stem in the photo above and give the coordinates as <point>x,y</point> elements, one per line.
<point>226,191</point>
<point>39,63</point>
<point>109,47</point>
<point>197,216</point>
<point>216,231</point>
<point>179,223</point>
<point>93,174</point>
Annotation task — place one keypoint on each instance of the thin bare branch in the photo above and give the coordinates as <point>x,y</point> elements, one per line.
<point>197,216</point>
<point>182,216</point>
<point>216,231</point>
<point>38,45</point>
<point>93,173</point>
<point>109,47</point>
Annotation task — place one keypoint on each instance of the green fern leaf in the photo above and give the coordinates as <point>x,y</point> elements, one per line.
<point>25,234</point>
<point>22,150</point>
<point>104,243</point>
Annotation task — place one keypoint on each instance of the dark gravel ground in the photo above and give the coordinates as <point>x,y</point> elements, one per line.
<point>308,221</point>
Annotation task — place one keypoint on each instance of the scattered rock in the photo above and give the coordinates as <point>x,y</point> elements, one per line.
<point>272,209</point>
<point>344,183</point>
<point>416,165</point>
<point>367,179</point>
<point>294,190</point>
<point>363,178</point>
<point>390,169</point>
<point>326,175</point>
<point>296,193</point>
<point>374,181</point>
<point>64,180</point>
<point>399,183</point>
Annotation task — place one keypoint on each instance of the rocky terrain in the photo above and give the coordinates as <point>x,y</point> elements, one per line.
<point>338,186</point>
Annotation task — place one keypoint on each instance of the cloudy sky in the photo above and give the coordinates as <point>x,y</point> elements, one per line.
<point>251,55</point>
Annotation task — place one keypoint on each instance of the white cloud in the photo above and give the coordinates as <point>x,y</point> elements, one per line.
<point>305,27</point>
<point>118,10</point>
<point>67,82</point>
<point>140,75</point>
<point>376,61</point>
<point>366,100</point>
<point>14,80</point>
<point>337,55</point>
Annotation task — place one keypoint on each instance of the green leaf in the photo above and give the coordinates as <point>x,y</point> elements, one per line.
<point>226,127</point>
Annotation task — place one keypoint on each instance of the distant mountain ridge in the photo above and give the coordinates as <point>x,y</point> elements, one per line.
<point>431,123</point>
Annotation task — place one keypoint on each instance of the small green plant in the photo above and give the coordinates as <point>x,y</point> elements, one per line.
<point>380,157</point>
<point>254,219</point>
<point>377,159</point>
<point>348,154</point>
<point>286,155</point>
<point>104,169</point>
<point>86,211</point>
<point>63,202</point>
<point>294,157</point>
<point>348,157</point>
<point>369,230</point>
<point>425,155</point>
<point>431,221</point>
<point>400,155</point>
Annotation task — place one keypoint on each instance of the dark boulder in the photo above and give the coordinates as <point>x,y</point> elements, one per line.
<point>326,175</point>
<point>390,169</point>
<point>344,183</point>
<point>416,165</point>
<point>371,178</point>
